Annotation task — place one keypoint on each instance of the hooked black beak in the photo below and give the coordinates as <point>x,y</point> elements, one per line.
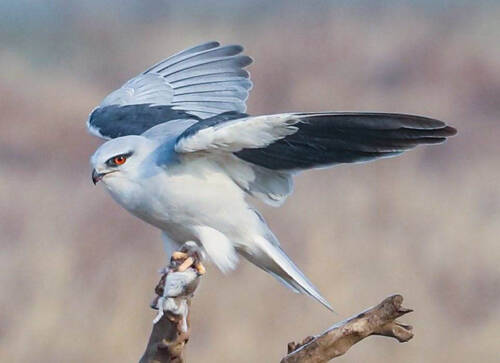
<point>96,176</point>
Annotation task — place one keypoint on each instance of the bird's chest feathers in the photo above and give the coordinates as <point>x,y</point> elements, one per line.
<point>184,195</point>
<point>139,199</point>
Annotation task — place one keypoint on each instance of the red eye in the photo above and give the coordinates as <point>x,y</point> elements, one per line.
<point>119,160</point>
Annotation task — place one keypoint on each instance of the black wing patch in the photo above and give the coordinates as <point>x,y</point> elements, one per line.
<point>332,138</point>
<point>115,121</point>
<point>197,83</point>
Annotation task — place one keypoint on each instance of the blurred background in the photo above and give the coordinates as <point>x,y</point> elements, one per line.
<point>77,272</point>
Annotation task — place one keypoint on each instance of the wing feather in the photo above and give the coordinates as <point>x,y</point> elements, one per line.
<point>327,139</point>
<point>237,77</point>
<point>297,141</point>
<point>199,82</point>
<point>237,134</point>
<point>182,55</point>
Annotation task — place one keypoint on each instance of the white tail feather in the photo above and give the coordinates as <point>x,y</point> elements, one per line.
<point>274,260</point>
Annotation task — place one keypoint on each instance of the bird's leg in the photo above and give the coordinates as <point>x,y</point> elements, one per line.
<point>191,255</point>
<point>188,256</point>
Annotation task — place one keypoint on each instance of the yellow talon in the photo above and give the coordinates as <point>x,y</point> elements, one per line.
<point>177,255</point>
<point>200,268</point>
<point>186,264</point>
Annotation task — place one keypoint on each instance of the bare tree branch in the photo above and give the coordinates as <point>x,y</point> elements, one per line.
<point>171,329</point>
<point>378,320</point>
<point>174,293</point>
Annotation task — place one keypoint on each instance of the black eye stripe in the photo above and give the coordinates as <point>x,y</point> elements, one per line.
<point>111,161</point>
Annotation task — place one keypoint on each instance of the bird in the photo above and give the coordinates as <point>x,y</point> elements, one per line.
<point>183,155</point>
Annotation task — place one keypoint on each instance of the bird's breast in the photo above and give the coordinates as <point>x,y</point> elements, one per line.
<point>190,194</point>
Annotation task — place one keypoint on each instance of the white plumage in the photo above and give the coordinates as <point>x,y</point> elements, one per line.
<point>236,135</point>
<point>183,158</point>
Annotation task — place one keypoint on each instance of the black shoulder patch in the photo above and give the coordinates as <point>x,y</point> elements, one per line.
<point>115,121</point>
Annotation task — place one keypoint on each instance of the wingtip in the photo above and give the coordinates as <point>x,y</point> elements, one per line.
<point>244,60</point>
<point>450,131</point>
<point>210,43</point>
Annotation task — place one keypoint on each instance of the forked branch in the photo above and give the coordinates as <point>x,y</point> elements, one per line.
<point>378,320</point>
<point>171,326</point>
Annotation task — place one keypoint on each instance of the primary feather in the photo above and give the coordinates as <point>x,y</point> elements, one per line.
<point>200,82</point>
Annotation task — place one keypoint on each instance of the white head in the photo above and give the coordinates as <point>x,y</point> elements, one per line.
<point>119,159</point>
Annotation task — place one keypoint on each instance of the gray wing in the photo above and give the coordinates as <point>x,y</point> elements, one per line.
<point>274,147</point>
<point>197,83</point>
<point>297,141</point>
<point>326,139</point>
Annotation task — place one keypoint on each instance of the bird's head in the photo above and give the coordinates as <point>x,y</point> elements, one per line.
<point>119,158</point>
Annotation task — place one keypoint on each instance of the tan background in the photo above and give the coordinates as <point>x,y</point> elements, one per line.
<point>77,272</point>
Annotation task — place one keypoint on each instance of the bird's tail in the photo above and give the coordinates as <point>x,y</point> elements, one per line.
<point>274,260</point>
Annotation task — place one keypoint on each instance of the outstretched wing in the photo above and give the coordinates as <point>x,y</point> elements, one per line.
<point>273,147</point>
<point>199,82</point>
<point>297,141</point>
